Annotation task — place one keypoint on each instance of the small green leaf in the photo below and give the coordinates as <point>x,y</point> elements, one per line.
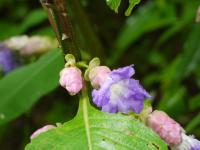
<point>21,88</point>
<point>187,17</point>
<point>176,96</point>
<point>95,130</point>
<point>132,4</point>
<point>113,4</point>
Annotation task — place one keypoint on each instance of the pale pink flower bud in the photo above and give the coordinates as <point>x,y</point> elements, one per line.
<point>41,130</point>
<point>168,129</point>
<point>98,75</point>
<point>71,79</point>
<point>188,143</point>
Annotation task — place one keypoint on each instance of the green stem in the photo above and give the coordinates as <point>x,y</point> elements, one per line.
<point>61,23</point>
<point>82,64</point>
<point>84,100</point>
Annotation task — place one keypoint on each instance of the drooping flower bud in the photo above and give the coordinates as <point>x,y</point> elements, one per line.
<point>42,130</point>
<point>188,143</point>
<point>98,75</point>
<point>168,129</point>
<point>71,79</point>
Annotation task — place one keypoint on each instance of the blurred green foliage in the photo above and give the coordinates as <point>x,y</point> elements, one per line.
<point>30,83</point>
<point>161,38</point>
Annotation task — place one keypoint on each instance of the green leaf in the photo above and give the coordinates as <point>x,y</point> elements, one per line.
<point>187,16</point>
<point>113,4</point>
<point>34,18</point>
<point>95,130</point>
<point>174,101</point>
<point>197,75</point>
<point>148,18</point>
<point>194,102</point>
<point>11,30</point>
<point>21,88</point>
<point>132,4</point>
<point>182,66</point>
<point>195,122</point>
<point>186,62</point>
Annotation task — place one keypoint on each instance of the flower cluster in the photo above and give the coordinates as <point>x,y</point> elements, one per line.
<point>116,91</point>
<point>30,45</point>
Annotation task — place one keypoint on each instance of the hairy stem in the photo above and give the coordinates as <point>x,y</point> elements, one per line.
<point>61,23</point>
<point>84,103</point>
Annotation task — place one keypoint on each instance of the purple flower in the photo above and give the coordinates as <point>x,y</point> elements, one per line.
<point>188,143</point>
<point>7,62</point>
<point>120,93</point>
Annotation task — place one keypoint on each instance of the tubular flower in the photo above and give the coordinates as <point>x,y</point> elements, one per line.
<point>71,79</point>
<point>7,62</point>
<point>188,143</point>
<point>168,129</point>
<point>42,130</point>
<point>120,93</point>
<point>98,75</point>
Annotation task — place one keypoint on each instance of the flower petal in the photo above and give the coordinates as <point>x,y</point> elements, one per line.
<point>136,105</point>
<point>122,73</point>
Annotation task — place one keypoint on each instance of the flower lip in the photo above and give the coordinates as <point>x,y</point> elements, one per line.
<point>122,73</point>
